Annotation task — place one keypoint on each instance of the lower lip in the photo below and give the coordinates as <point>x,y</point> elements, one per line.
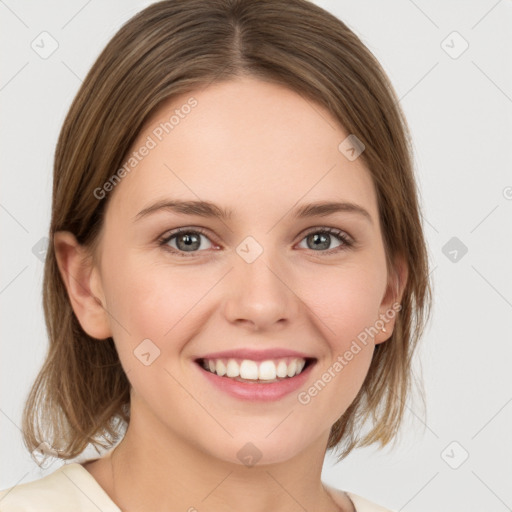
<point>254,391</point>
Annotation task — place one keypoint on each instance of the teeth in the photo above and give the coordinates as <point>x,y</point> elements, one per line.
<point>292,368</point>
<point>220,369</point>
<point>232,369</point>
<point>269,370</point>
<point>249,369</point>
<point>282,369</point>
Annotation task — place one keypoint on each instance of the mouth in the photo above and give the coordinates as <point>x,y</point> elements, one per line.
<point>250,371</point>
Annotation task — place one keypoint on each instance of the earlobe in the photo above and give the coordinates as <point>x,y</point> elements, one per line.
<point>83,285</point>
<point>390,306</point>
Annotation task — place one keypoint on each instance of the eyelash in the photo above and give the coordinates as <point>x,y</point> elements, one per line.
<point>340,235</point>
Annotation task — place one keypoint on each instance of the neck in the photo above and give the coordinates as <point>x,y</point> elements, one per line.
<point>160,472</point>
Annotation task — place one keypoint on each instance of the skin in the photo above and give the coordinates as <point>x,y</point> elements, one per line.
<point>261,150</point>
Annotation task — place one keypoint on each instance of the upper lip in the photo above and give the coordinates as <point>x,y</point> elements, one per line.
<point>256,355</point>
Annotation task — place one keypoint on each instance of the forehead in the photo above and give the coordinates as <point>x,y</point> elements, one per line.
<point>246,144</point>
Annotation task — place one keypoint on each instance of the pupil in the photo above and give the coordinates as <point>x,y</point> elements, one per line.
<point>320,240</point>
<point>191,242</point>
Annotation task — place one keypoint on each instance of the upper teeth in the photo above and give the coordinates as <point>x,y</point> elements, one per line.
<point>255,370</point>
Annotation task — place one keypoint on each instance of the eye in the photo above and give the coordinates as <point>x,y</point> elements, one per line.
<point>188,240</point>
<point>183,240</point>
<point>320,239</point>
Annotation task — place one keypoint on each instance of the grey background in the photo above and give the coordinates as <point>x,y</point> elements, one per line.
<point>459,108</point>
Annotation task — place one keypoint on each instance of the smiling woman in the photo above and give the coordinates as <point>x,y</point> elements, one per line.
<point>251,294</point>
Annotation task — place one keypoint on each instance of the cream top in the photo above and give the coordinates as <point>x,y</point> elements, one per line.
<point>72,488</point>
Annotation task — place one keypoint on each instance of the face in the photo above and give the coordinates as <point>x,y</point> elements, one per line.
<point>262,278</point>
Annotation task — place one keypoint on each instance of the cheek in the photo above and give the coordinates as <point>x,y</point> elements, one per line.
<point>153,302</point>
<point>346,299</point>
<point>151,298</point>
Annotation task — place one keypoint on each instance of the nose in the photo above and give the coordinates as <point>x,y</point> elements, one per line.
<point>260,295</point>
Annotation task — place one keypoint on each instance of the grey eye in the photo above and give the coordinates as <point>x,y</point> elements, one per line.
<point>320,240</point>
<point>187,241</point>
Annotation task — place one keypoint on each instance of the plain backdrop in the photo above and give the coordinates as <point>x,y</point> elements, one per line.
<point>451,64</point>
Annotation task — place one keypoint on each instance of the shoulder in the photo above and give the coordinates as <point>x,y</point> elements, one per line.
<point>360,504</point>
<point>363,505</point>
<point>69,487</point>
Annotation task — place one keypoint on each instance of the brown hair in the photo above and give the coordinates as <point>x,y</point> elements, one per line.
<point>81,395</point>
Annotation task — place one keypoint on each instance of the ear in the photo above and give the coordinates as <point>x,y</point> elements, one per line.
<point>83,284</point>
<point>390,306</point>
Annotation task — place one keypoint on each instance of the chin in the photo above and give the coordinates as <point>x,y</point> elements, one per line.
<point>250,451</point>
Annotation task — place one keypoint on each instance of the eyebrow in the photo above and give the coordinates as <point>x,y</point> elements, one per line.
<point>209,209</point>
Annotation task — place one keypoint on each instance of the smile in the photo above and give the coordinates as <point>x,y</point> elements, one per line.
<point>247,379</point>
<point>247,369</point>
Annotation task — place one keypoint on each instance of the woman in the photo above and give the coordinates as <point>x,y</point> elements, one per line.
<point>237,276</point>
